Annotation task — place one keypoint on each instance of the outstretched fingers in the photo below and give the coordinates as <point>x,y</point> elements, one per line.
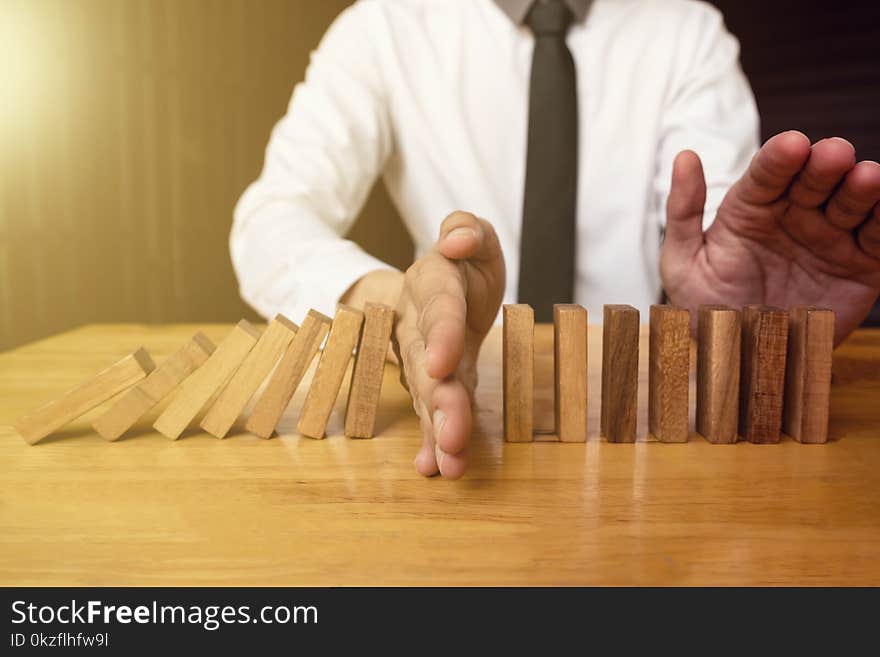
<point>684,208</point>
<point>437,289</point>
<point>773,168</point>
<point>450,299</point>
<point>443,407</point>
<point>828,162</point>
<point>859,192</point>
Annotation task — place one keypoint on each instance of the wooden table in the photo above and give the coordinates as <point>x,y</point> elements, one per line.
<point>201,511</point>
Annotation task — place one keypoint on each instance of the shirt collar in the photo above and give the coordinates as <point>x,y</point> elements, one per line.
<point>516,10</point>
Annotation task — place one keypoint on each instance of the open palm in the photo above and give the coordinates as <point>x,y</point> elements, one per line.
<point>802,226</point>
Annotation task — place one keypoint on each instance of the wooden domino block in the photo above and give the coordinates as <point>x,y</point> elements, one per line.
<point>135,403</point>
<point>248,377</point>
<point>570,372</point>
<point>719,339</point>
<point>201,385</point>
<point>369,366</point>
<point>343,338</point>
<point>53,415</point>
<point>668,373</point>
<point>762,374</point>
<point>808,374</point>
<point>620,373</point>
<point>287,376</point>
<point>518,372</point>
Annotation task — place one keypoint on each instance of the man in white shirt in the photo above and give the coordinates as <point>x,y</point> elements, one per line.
<point>435,96</point>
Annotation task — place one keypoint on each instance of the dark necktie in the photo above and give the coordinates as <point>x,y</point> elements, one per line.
<point>547,245</point>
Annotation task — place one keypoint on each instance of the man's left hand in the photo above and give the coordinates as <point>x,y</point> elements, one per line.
<point>802,226</point>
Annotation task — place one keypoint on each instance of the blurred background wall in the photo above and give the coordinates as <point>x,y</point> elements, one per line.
<point>128,129</point>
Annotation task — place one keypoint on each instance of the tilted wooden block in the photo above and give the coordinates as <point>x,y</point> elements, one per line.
<point>668,373</point>
<point>369,366</point>
<point>518,372</point>
<point>343,338</point>
<point>53,415</point>
<point>201,385</point>
<point>285,380</point>
<point>808,374</point>
<point>248,377</point>
<point>135,403</point>
<point>719,339</point>
<point>764,340</point>
<point>620,373</point>
<point>570,371</point>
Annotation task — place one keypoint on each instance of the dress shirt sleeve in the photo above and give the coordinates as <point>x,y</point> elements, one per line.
<point>710,109</point>
<point>322,159</point>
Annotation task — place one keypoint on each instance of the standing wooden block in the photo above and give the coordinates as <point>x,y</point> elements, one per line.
<point>765,336</point>
<point>620,373</point>
<point>53,415</point>
<point>135,403</point>
<point>284,382</point>
<point>570,372</point>
<point>247,378</point>
<point>808,374</point>
<point>369,366</point>
<point>719,338</point>
<point>343,338</point>
<point>198,388</point>
<point>518,372</point>
<point>668,373</point>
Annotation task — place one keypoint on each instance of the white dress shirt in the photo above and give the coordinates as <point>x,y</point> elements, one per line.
<point>433,96</point>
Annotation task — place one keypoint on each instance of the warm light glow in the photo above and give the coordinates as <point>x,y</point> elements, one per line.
<point>23,64</point>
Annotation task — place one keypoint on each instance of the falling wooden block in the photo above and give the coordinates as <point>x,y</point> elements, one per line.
<point>248,377</point>
<point>620,373</point>
<point>287,376</point>
<point>719,339</point>
<point>668,373</point>
<point>369,365</point>
<point>201,385</point>
<point>53,415</point>
<point>518,372</point>
<point>135,403</point>
<point>343,338</point>
<point>570,372</point>
<point>764,340</point>
<point>808,374</point>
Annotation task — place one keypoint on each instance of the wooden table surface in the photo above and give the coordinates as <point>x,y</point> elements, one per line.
<point>76,510</point>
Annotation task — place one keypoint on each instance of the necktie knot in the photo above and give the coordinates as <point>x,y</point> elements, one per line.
<point>549,18</point>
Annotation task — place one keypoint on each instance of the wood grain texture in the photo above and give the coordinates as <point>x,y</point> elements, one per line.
<point>669,353</point>
<point>135,403</point>
<point>198,388</point>
<point>287,376</point>
<point>620,373</point>
<point>719,338</point>
<point>518,372</point>
<point>764,345</point>
<point>544,407</point>
<point>92,392</point>
<point>334,361</point>
<point>808,374</point>
<point>247,378</point>
<point>570,372</point>
<point>369,367</point>
<point>146,512</point>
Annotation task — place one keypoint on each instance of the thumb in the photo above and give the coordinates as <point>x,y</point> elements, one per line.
<point>684,208</point>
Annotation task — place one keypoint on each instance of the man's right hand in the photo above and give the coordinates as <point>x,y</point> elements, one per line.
<point>448,303</point>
